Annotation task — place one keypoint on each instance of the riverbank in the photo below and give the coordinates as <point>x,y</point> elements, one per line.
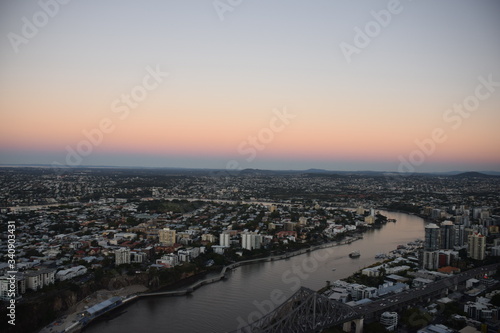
<point>71,323</point>
<point>232,266</point>
<point>251,288</point>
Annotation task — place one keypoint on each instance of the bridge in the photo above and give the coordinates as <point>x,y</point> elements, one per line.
<point>434,290</point>
<point>307,311</point>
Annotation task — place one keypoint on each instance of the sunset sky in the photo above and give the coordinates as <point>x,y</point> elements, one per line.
<point>257,84</point>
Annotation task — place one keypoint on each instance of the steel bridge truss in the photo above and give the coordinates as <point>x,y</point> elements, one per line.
<point>305,311</point>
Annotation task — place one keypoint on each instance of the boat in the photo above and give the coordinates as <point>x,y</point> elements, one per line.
<point>354,254</point>
<point>334,269</point>
<point>380,256</point>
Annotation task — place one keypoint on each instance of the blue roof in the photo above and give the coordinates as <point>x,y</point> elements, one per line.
<point>393,288</point>
<point>103,305</point>
<point>363,301</point>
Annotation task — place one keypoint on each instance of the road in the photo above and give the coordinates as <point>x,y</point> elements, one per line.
<point>430,290</point>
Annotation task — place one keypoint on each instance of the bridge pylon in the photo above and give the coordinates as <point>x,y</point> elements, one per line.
<point>347,327</point>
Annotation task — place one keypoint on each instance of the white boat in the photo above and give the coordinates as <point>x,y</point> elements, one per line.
<point>354,254</point>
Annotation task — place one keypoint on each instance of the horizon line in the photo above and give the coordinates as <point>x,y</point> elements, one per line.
<point>41,165</point>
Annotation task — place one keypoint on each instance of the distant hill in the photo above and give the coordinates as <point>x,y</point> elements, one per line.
<point>474,174</point>
<point>254,172</point>
<point>316,171</point>
<point>264,172</point>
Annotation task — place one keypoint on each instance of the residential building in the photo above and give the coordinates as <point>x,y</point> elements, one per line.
<point>224,239</point>
<point>122,256</point>
<point>66,274</point>
<point>447,235</point>
<point>476,246</point>
<point>251,240</point>
<point>6,282</point>
<point>218,249</point>
<point>208,238</point>
<point>187,255</point>
<point>38,279</point>
<point>431,260</point>
<point>431,247</point>
<point>302,220</point>
<point>288,226</point>
<point>389,320</point>
<point>481,310</point>
<point>431,242</point>
<point>370,219</point>
<point>420,282</point>
<point>168,260</point>
<point>460,235</point>
<point>138,257</point>
<point>436,329</point>
<point>167,237</point>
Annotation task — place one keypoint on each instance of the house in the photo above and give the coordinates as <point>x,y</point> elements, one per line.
<point>66,274</point>
<point>168,260</point>
<point>38,279</point>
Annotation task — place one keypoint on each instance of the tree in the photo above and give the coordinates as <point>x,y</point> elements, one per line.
<point>414,318</point>
<point>132,221</point>
<point>275,215</point>
<point>495,300</point>
<point>32,253</point>
<point>375,328</point>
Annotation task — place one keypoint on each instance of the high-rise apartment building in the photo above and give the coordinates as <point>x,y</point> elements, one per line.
<point>431,242</point>
<point>224,239</point>
<point>476,246</point>
<point>167,237</point>
<point>460,235</point>
<point>447,235</point>
<point>122,256</point>
<point>431,247</point>
<point>389,320</point>
<point>251,240</point>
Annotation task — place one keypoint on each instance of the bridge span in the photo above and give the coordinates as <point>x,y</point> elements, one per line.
<point>307,311</point>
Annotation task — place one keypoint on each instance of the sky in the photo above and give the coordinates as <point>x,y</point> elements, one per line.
<point>407,86</point>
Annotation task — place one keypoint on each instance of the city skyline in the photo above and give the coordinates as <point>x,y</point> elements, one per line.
<point>381,85</point>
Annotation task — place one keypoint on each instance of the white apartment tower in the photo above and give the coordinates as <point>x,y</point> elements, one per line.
<point>224,239</point>
<point>250,240</point>
<point>476,246</point>
<point>122,256</point>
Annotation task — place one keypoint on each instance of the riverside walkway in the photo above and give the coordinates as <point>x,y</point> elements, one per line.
<point>222,275</point>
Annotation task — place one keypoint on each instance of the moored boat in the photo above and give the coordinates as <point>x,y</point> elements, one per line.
<point>354,254</point>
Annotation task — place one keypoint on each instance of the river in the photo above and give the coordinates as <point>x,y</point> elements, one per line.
<point>254,289</point>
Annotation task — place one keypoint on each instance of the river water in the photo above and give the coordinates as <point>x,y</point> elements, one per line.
<point>249,291</point>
